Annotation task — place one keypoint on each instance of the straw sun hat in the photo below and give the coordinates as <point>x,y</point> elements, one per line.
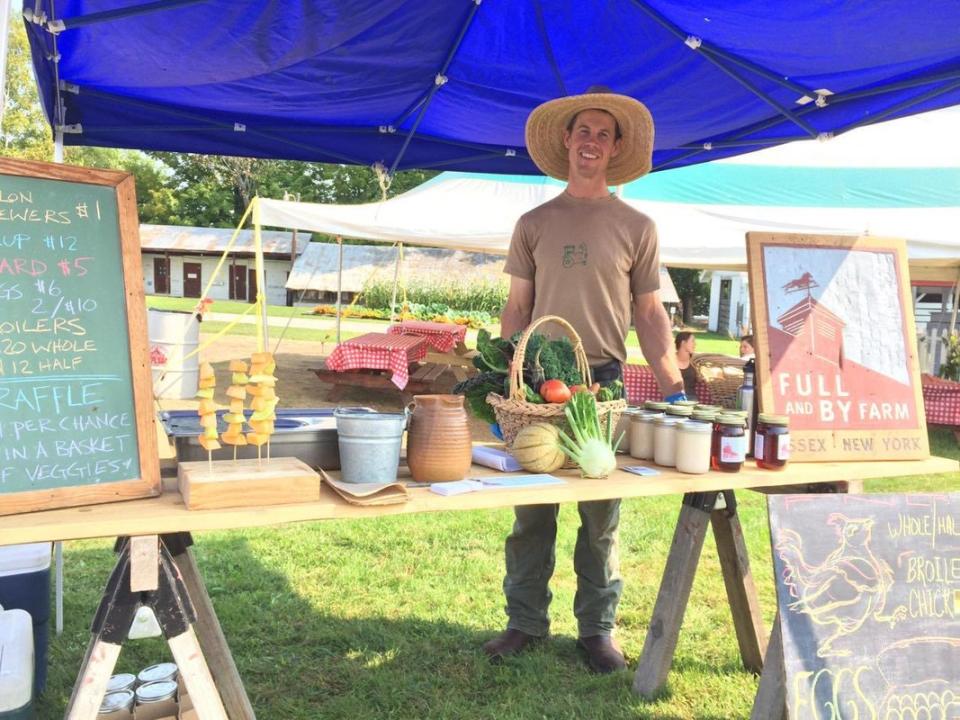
<point>548,122</point>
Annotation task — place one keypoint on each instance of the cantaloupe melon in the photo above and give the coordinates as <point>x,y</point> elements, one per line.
<point>537,448</point>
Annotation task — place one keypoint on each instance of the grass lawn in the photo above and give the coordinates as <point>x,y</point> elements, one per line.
<point>234,307</point>
<point>384,618</point>
<point>211,327</point>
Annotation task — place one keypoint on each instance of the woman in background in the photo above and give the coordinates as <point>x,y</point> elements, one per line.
<point>686,344</point>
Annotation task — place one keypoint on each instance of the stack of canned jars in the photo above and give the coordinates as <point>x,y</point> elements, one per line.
<point>696,438</point>
<point>151,685</point>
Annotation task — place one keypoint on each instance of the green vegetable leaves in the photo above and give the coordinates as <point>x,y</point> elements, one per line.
<point>493,353</point>
<point>613,391</point>
<point>544,359</point>
<point>475,391</point>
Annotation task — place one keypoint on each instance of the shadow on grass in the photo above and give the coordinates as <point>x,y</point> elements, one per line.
<point>300,661</point>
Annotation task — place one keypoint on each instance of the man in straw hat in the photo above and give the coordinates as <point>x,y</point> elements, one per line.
<point>592,259</point>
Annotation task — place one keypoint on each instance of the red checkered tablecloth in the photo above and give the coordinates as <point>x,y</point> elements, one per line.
<point>444,337</point>
<point>379,351</point>
<point>641,385</point>
<point>941,400</point>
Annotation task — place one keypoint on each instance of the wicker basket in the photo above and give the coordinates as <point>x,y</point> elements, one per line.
<point>514,413</point>
<point>723,376</point>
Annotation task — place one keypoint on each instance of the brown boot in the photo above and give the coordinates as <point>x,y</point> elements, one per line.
<point>603,654</point>
<point>508,643</point>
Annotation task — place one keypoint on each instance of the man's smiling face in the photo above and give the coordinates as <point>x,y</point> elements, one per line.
<point>591,143</point>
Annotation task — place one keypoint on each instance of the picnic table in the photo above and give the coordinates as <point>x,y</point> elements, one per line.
<point>707,500</point>
<point>443,337</point>
<point>379,351</point>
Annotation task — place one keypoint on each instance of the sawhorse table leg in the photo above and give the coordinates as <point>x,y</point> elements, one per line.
<point>134,583</point>
<point>210,634</point>
<point>697,511</point>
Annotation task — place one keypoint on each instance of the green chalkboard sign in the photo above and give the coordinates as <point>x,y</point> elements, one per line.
<point>76,425</point>
<point>868,588</point>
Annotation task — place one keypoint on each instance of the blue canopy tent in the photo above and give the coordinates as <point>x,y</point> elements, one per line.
<point>448,83</point>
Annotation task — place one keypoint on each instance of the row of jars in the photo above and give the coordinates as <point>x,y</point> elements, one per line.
<point>151,685</point>
<point>695,438</point>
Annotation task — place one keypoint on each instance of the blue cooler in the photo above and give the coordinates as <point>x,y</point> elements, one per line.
<point>25,584</point>
<point>16,665</point>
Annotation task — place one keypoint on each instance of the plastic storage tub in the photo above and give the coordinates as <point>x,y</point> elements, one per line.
<point>309,434</point>
<point>25,585</point>
<point>16,665</point>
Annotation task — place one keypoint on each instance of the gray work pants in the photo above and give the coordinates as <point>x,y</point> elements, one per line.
<point>530,555</point>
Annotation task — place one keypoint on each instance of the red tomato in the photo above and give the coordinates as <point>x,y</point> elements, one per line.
<point>555,391</point>
<point>574,389</point>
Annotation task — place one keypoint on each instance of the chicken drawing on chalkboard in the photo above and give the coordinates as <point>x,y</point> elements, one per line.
<point>843,590</point>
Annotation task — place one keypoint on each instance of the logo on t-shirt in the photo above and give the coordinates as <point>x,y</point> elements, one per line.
<point>574,255</point>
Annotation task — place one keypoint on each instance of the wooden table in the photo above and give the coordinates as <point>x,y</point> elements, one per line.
<point>701,493</point>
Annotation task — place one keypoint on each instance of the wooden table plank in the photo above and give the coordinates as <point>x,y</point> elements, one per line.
<point>167,513</point>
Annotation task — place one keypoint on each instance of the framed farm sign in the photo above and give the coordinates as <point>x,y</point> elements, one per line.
<point>76,413</point>
<point>836,345</point>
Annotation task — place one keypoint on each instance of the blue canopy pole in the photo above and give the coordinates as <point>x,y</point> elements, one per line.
<point>715,54</point>
<point>107,15</point>
<point>438,82</point>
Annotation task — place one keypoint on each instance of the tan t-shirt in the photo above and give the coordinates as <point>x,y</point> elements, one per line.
<point>587,258</point>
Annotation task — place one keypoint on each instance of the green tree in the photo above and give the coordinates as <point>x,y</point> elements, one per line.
<point>694,295</point>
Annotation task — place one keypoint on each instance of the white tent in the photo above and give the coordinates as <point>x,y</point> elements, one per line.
<point>896,179</point>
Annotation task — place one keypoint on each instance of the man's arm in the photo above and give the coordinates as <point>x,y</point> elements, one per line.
<point>516,315</point>
<point>656,341</point>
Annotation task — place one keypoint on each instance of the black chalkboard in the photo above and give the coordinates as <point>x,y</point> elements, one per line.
<point>868,589</point>
<point>75,413</point>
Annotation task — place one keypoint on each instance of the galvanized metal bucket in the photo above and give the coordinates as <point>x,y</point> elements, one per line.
<point>369,444</point>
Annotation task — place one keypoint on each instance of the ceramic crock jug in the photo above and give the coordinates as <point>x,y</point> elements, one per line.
<point>438,439</point>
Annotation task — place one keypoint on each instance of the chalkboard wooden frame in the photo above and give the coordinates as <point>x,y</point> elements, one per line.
<point>146,483</point>
<point>836,440</point>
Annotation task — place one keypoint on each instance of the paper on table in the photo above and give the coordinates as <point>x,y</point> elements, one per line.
<point>513,481</point>
<point>494,483</point>
<point>458,487</point>
<point>640,470</point>
<point>368,493</point>
<point>495,458</point>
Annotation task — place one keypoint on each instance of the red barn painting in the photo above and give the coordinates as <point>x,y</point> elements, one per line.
<point>816,329</point>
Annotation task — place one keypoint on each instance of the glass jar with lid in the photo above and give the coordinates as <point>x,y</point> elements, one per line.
<point>158,672</point>
<point>729,446</point>
<point>155,692</point>
<point>693,446</point>
<point>771,445</point>
<point>641,434</point>
<point>679,411</point>
<point>121,681</point>
<point>117,701</point>
<point>707,416</point>
<point>655,405</point>
<point>665,440</point>
<point>623,428</point>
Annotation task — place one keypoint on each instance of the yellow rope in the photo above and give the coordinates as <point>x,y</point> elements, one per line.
<point>260,273</point>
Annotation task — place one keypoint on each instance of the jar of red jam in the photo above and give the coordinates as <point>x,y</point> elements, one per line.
<point>771,442</point>
<point>729,447</point>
